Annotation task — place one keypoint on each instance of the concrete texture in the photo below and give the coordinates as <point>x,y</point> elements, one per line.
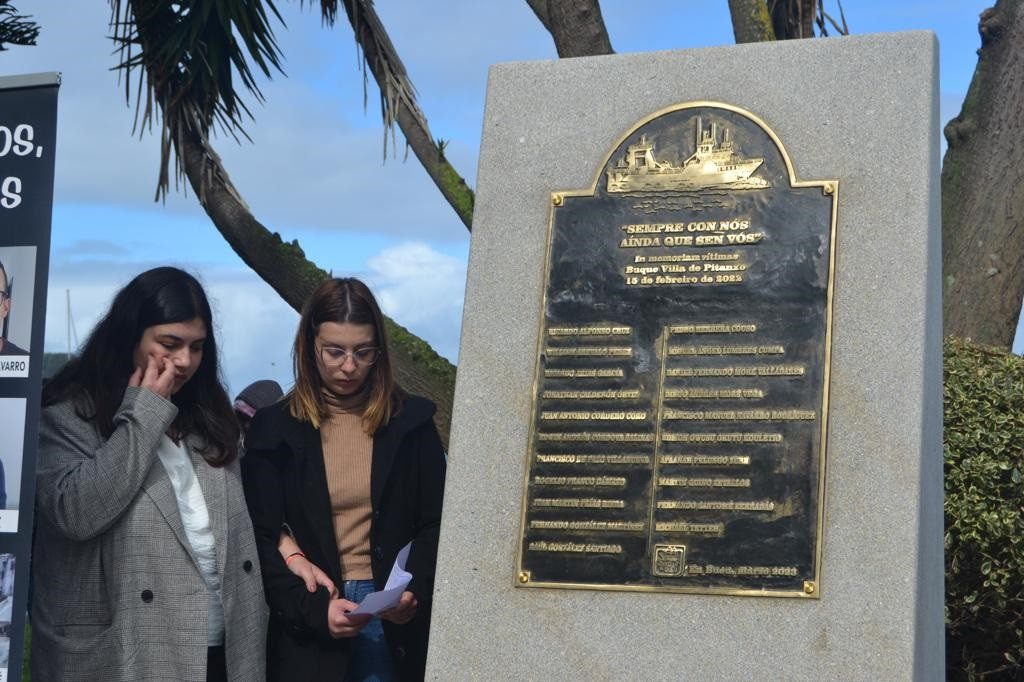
<point>861,109</point>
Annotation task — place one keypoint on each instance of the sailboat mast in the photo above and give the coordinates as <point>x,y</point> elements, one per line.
<point>67,295</point>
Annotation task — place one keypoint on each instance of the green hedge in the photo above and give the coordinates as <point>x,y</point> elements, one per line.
<point>984,456</point>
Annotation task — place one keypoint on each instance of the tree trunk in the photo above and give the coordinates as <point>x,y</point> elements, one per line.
<point>576,26</point>
<point>751,22</point>
<point>285,268</point>
<point>983,189</point>
<point>793,18</point>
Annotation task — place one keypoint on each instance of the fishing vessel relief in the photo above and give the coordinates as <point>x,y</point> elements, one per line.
<point>712,164</point>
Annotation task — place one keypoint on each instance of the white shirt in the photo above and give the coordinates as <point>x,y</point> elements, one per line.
<point>196,519</point>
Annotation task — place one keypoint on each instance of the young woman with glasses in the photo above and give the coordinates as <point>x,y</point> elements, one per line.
<point>353,468</point>
<point>144,565</point>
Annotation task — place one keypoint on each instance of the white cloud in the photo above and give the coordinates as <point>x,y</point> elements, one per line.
<point>422,289</point>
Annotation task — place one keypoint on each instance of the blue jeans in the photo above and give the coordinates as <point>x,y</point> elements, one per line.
<point>371,656</point>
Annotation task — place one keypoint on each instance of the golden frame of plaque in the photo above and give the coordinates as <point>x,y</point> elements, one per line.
<point>680,398</point>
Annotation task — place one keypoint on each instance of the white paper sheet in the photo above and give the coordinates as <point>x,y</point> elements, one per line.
<point>375,602</point>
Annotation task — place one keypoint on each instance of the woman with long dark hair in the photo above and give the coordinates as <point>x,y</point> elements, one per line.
<point>144,562</point>
<point>353,467</point>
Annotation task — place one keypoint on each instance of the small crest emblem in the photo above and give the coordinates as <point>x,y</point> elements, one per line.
<point>669,560</point>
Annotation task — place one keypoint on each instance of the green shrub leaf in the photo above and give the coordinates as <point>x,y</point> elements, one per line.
<point>983,435</point>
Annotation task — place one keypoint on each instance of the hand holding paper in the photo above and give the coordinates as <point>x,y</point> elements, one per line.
<point>391,595</point>
<point>402,612</point>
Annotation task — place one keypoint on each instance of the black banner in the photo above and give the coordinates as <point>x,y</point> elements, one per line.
<point>28,131</point>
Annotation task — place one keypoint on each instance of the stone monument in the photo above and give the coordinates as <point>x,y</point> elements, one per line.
<point>697,422</point>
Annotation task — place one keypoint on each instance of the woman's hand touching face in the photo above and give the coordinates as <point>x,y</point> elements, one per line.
<point>168,355</point>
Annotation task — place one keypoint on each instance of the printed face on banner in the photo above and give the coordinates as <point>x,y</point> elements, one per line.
<point>5,296</point>
<point>17,290</point>
<point>12,431</point>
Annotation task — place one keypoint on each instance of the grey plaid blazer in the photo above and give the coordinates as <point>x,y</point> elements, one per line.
<point>118,593</point>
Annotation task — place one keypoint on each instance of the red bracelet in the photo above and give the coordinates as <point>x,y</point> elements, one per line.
<point>291,556</point>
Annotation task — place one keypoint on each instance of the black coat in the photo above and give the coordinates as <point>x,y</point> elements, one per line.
<point>284,479</point>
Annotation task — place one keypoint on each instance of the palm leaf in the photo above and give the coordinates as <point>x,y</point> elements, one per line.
<point>190,60</point>
<point>16,29</point>
<point>398,104</point>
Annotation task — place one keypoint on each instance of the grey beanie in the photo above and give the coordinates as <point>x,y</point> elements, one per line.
<point>257,395</point>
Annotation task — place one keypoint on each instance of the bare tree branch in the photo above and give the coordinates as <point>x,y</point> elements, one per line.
<point>824,19</point>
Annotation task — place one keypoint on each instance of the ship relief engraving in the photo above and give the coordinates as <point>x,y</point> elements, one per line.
<point>713,164</point>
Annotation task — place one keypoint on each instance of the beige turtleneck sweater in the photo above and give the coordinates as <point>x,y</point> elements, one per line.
<point>348,451</point>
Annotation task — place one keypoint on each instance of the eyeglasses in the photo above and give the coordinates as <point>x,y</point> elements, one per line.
<point>333,356</point>
<point>3,295</point>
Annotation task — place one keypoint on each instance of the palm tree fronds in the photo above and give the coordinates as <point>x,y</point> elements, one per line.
<point>186,58</point>
<point>16,29</point>
<point>377,55</point>
<point>377,52</point>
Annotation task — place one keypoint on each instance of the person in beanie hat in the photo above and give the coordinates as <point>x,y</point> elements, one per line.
<point>256,395</point>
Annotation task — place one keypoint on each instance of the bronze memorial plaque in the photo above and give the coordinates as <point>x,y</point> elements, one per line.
<point>681,391</point>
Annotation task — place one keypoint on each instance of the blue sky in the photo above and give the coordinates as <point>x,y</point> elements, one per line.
<point>314,171</point>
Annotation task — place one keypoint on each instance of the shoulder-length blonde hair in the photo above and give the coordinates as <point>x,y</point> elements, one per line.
<point>342,300</point>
